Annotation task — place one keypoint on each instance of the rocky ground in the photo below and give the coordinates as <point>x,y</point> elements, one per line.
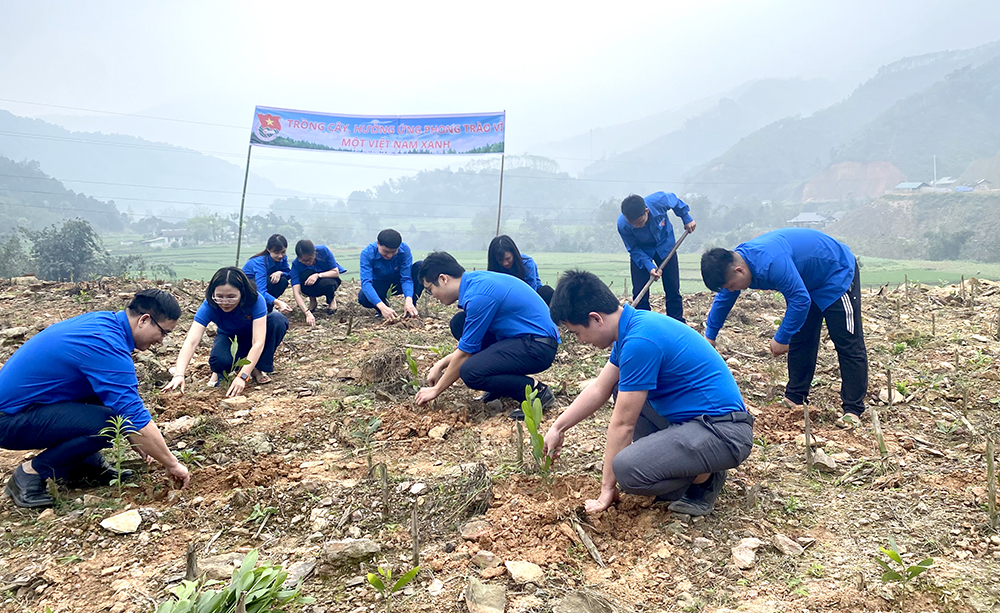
<point>295,470</point>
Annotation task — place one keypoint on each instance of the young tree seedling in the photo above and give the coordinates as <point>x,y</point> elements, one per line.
<point>118,431</point>
<point>531,406</point>
<point>383,580</point>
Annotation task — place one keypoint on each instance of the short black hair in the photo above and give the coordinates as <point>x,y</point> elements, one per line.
<point>161,305</point>
<point>578,294</point>
<point>389,238</point>
<point>304,247</point>
<point>230,275</point>
<point>715,267</point>
<point>439,263</point>
<point>633,207</point>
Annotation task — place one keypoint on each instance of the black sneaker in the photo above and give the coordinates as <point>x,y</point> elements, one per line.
<point>95,472</point>
<point>489,397</point>
<point>700,499</point>
<point>545,396</point>
<point>28,491</point>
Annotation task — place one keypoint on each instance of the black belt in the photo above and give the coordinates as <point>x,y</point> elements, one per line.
<point>546,340</point>
<point>735,416</point>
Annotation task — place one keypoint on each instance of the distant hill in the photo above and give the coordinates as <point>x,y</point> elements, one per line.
<point>31,199</point>
<point>934,226</point>
<point>663,162</point>
<point>774,162</point>
<point>144,176</point>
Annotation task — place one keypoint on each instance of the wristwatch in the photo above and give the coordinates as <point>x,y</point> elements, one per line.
<point>244,376</point>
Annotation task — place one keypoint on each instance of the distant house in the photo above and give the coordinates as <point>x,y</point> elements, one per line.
<point>156,243</point>
<point>981,185</point>
<point>911,187</point>
<point>945,182</point>
<point>809,220</point>
<point>173,236</point>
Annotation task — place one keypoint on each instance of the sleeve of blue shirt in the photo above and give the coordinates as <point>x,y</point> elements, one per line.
<point>113,380</point>
<point>295,273</point>
<point>259,308</point>
<point>405,277</point>
<point>256,269</point>
<point>638,256</point>
<point>723,303</point>
<point>479,313</point>
<point>531,272</point>
<point>204,314</point>
<point>639,366</point>
<point>367,272</point>
<point>784,277</point>
<point>328,256</point>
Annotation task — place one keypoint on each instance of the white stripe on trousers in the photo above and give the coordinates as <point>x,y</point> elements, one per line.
<point>849,311</point>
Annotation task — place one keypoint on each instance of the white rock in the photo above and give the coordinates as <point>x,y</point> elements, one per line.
<point>178,426</point>
<point>897,398</point>
<point>525,572</point>
<point>418,489</point>
<point>123,523</point>
<point>744,557</point>
<point>438,432</point>
<point>436,587</point>
<point>786,545</point>
<point>823,461</point>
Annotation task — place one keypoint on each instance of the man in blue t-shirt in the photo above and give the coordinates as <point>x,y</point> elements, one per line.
<point>648,235</point>
<point>387,264</point>
<point>61,388</point>
<point>679,421</point>
<point>507,333</point>
<point>820,279</point>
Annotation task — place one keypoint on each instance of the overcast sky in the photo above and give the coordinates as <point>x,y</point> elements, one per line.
<point>557,68</point>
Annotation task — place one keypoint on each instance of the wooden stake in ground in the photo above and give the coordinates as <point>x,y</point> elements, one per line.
<point>384,478</point>
<point>520,445</point>
<point>962,289</point>
<point>808,433</point>
<point>415,532</point>
<point>933,325</point>
<point>991,483</point>
<point>882,448</point>
<point>191,573</point>
<point>906,288</point>
<point>888,379</point>
<point>649,283</point>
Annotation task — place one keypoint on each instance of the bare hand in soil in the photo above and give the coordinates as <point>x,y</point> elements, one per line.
<point>282,306</point>
<point>425,395</point>
<point>236,387</point>
<point>310,319</point>
<point>411,311</point>
<point>387,313</point>
<point>176,382</point>
<point>608,497</point>
<point>275,276</point>
<point>179,475</point>
<point>777,348</point>
<point>553,443</point>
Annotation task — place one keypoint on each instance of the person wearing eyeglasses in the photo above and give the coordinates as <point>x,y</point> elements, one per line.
<point>240,314</point>
<point>61,388</point>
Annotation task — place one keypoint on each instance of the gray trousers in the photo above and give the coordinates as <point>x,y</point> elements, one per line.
<point>664,458</point>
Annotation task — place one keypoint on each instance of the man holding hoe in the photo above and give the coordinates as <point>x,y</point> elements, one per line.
<point>679,422</point>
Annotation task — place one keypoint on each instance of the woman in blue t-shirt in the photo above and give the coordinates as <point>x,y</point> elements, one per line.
<point>240,314</point>
<point>269,271</point>
<point>504,256</point>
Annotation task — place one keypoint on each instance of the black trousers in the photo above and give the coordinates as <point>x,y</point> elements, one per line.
<point>326,286</point>
<point>277,289</point>
<point>843,321</point>
<point>396,283</point>
<point>501,367</point>
<point>671,286</point>
<point>221,358</point>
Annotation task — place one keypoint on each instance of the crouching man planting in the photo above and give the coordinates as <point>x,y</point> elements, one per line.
<point>679,421</point>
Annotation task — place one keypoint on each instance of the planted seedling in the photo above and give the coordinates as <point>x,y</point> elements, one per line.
<point>228,377</point>
<point>367,428</point>
<point>531,406</point>
<point>118,431</point>
<point>381,583</point>
<point>414,381</point>
<point>905,573</point>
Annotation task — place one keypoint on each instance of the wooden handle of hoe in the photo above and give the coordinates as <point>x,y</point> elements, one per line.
<point>659,268</point>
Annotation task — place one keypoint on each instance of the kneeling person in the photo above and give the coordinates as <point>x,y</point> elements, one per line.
<point>61,388</point>
<point>387,266</point>
<point>315,272</point>
<point>679,421</point>
<point>506,337</point>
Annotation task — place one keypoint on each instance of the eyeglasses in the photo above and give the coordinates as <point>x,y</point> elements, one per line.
<point>163,332</point>
<point>221,300</point>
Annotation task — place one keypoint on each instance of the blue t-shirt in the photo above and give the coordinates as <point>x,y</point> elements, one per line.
<point>805,265</point>
<point>657,236</point>
<point>684,375</point>
<point>85,356</point>
<point>531,272</point>
<point>374,267</point>
<point>260,268</point>
<point>501,304</point>
<point>237,321</point>
<point>324,262</point>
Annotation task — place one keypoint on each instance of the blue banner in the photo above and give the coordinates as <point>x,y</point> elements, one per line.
<point>469,134</point>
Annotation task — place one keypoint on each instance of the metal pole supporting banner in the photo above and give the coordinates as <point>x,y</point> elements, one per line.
<point>243,200</point>
<point>500,201</point>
